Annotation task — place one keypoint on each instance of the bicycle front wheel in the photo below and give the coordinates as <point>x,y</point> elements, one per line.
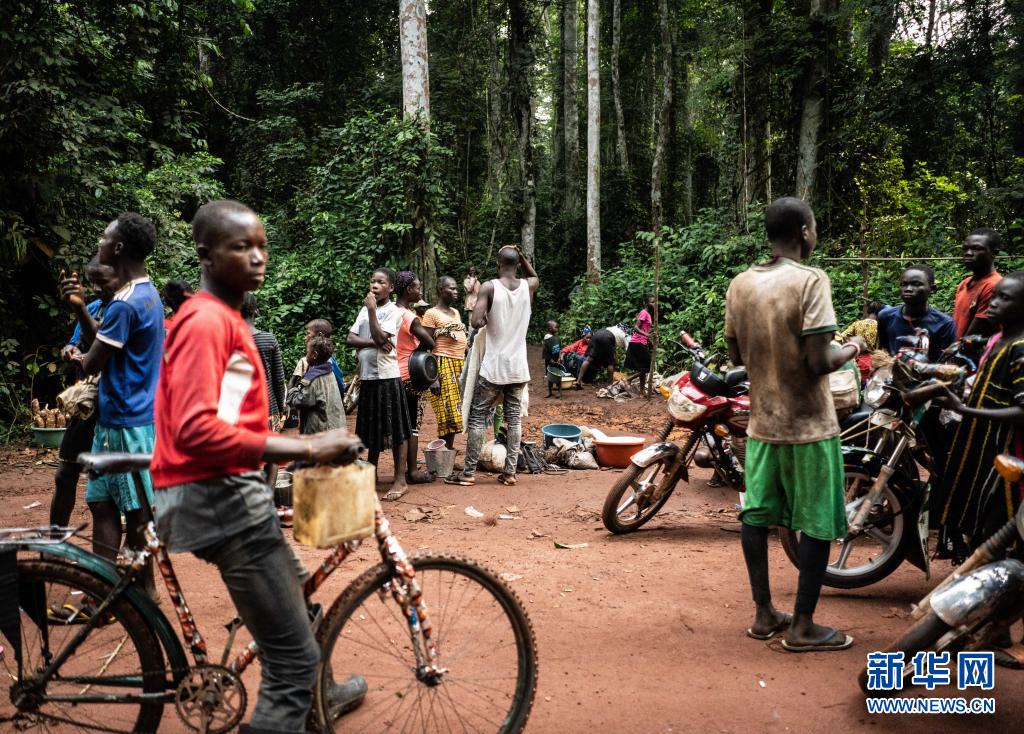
<point>484,641</point>
<point>100,686</point>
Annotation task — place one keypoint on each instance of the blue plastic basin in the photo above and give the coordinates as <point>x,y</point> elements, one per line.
<point>560,430</point>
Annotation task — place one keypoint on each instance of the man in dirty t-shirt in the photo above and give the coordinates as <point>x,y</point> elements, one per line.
<point>779,322</point>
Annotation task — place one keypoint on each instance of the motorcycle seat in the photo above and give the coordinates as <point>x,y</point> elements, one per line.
<point>735,376</point>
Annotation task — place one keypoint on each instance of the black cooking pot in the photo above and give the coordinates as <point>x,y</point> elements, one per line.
<point>422,370</point>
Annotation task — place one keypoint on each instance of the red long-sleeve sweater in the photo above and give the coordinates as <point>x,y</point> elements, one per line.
<point>211,402</point>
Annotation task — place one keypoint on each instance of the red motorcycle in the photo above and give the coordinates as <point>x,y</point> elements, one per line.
<point>715,410</point>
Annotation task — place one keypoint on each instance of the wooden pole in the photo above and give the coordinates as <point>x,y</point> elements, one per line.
<point>654,316</point>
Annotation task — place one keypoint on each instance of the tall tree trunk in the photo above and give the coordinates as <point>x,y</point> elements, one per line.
<point>520,53</point>
<point>412,23</point>
<point>593,142</point>
<point>929,34</point>
<point>495,119</point>
<point>412,26</point>
<point>570,107</point>
<point>687,168</point>
<point>663,127</point>
<point>621,151</point>
<point>813,113</point>
<point>881,26</point>
<point>755,106</point>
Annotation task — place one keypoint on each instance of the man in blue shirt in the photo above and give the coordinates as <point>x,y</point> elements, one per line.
<point>126,349</point>
<point>916,287</point>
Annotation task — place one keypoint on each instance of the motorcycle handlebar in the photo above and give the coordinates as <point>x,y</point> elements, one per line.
<point>688,340</point>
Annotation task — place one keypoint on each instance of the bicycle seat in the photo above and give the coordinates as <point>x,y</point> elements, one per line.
<point>114,463</point>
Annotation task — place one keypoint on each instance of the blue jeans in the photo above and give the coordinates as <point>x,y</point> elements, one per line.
<point>259,569</point>
<point>486,395</point>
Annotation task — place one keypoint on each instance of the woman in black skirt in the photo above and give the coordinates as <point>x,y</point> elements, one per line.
<point>382,421</point>
<point>638,351</point>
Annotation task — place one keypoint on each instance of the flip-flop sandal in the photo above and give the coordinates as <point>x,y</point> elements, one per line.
<point>1012,657</point>
<point>394,495</point>
<point>422,477</point>
<point>507,480</point>
<point>461,479</point>
<point>781,626</point>
<point>827,644</point>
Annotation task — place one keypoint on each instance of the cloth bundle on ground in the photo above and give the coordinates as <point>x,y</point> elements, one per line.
<point>627,388</point>
<point>79,400</point>
<point>571,454</point>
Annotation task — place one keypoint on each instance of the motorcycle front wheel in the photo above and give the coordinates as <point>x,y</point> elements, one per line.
<point>875,553</point>
<point>641,491</point>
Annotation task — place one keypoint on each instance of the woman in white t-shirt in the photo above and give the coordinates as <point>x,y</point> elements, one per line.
<point>382,420</point>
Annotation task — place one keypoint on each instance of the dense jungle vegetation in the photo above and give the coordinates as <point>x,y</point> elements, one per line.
<point>902,121</point>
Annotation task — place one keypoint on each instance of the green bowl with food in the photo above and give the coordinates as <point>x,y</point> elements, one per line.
<point>49,437</point>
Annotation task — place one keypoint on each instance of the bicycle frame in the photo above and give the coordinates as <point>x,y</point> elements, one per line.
<point>407,594</point>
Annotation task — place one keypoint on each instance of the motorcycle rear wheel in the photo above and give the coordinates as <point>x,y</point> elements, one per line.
<point>890,535</point>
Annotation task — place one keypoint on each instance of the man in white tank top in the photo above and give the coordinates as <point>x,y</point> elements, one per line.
<point>504,306</point>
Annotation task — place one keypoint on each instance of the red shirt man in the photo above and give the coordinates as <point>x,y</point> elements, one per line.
<point>970,309</point>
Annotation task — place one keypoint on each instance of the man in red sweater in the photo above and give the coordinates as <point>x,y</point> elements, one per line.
<point>211,441</point>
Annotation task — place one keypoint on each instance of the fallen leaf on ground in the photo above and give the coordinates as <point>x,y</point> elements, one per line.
<point>512,509</point>
<point>570,546</point>
<point>510,576</point>
<point>473,512</point>
<point>537,534</point>
<point>415,515</point>
<point>34,505</point>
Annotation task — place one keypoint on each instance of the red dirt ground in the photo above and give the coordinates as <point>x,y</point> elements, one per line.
<point>641,633</point>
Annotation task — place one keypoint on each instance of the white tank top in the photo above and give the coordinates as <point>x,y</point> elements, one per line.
<point>504,362</point>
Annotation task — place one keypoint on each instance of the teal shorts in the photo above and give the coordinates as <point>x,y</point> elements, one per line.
<point>798,486</point>
<point>118,488</point>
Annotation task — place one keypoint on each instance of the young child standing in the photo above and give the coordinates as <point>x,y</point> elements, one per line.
<point>79,433</point>
<point>411,337</point>
<point>779,321</point>
<point>382,420</point>
<point>125,352</point>
<point>317,327</point>
<point>550,350</point>
<point>445,325</point>
<point>212,499</point>
<point>316,395</point>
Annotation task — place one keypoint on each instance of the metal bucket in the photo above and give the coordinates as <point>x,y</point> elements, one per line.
<point>440,461</point>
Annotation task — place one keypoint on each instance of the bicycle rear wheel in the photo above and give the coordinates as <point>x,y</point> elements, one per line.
<point>120,657</point>
<point>484,641</point>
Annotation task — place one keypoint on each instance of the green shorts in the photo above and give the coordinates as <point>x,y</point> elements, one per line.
<point>798,486</point>
<point>119,488</point>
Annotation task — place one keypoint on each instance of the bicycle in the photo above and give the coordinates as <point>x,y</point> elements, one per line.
<point>452,666</point>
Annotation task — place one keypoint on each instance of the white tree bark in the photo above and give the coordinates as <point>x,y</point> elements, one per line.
<point>813,113</point>
<point>620,122</point>
<point>571,111</point>
<point>662,124</point>
<point>593,144</point>
<point>412,27</point>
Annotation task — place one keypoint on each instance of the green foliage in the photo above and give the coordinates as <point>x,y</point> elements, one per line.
<point>352,216</point>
